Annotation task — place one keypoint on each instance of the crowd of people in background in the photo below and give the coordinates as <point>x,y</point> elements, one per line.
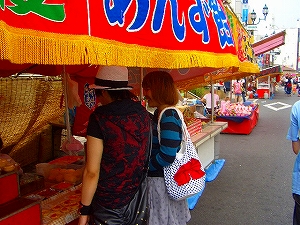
<point>242,88</point>
<point>291,85</point>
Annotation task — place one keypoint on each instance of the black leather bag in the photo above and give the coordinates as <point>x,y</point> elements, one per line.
<point>135,212</point>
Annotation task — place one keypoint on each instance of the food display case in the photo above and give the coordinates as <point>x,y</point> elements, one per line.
<point>263,86</point>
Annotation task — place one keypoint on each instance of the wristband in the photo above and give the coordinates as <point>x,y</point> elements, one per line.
<point>84,209</point>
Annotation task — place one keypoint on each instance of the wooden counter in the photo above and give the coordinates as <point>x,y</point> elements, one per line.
<point>207,142</point>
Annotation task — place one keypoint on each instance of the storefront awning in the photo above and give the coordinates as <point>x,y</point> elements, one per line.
<point>271,71</point>
<point>286,69</point>
<point>269,43</point>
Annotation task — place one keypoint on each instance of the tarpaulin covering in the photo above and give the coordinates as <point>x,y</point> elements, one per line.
<point>194,36</point>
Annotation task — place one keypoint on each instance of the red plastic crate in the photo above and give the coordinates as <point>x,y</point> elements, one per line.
<point>9,187</point>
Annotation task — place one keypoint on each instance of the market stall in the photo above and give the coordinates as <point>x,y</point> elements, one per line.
<point>85,33</point>
<point>78,37</point>
<point>49,196</point>
<point>269,74</point>
<point>263,87</point>
<point>241,119</point>
<point>238,119</point>
<point>128,40</point>
<point>267,80</point>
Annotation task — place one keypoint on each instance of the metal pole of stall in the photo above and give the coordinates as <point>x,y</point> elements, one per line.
<point>141,88</point>
<point>212,92</point>
<point>65,85</point>
<point>230,95</point>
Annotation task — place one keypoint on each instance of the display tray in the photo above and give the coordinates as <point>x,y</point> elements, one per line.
<point>240,125</point>
<point>61,208</point>
<point>57,173</point>
<point>68,159</point>
<point>237,119</point>
<point>240,119</point>
<point>194,126</point>
<point>48,193</point>
<point>31,182</point>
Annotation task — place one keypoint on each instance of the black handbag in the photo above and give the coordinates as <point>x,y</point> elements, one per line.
<point>136,212</point>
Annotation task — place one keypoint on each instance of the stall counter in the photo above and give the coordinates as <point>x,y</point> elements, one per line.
<point>207,142</point>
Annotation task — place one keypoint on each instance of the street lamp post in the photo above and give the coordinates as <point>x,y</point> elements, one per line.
<point>265,13</point>
<point>253,17</point>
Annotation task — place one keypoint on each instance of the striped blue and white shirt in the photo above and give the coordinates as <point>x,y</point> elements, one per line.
<point>164,153</point>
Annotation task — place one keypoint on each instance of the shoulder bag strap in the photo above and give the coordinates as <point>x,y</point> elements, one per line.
<point>185,133</point>
<point>146,167</point>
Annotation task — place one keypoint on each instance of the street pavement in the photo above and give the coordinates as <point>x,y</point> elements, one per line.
<point>254,186</point>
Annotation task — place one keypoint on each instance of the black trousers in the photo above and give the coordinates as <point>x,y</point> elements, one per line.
<point>296,217</point>
<point>209,110</point>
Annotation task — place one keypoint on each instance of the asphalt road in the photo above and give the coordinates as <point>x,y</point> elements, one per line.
<point>254,186</point>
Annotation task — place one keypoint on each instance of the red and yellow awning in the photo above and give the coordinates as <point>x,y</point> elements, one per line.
<point>143,33</point>
<point>243,46</point>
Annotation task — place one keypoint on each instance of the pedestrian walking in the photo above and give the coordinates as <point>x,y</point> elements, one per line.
<point>293,135</point>
<point>237,88</point>
<point>288,85</point>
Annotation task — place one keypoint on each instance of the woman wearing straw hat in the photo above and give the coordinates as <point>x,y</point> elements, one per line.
<point>117,149</point>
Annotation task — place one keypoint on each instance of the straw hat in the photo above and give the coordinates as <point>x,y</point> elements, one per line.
<point>111,78</point>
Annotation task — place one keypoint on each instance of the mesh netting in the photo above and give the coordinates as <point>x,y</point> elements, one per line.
<point>26,106</point>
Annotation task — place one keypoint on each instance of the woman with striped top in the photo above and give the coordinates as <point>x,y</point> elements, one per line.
<point>160,92</point>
